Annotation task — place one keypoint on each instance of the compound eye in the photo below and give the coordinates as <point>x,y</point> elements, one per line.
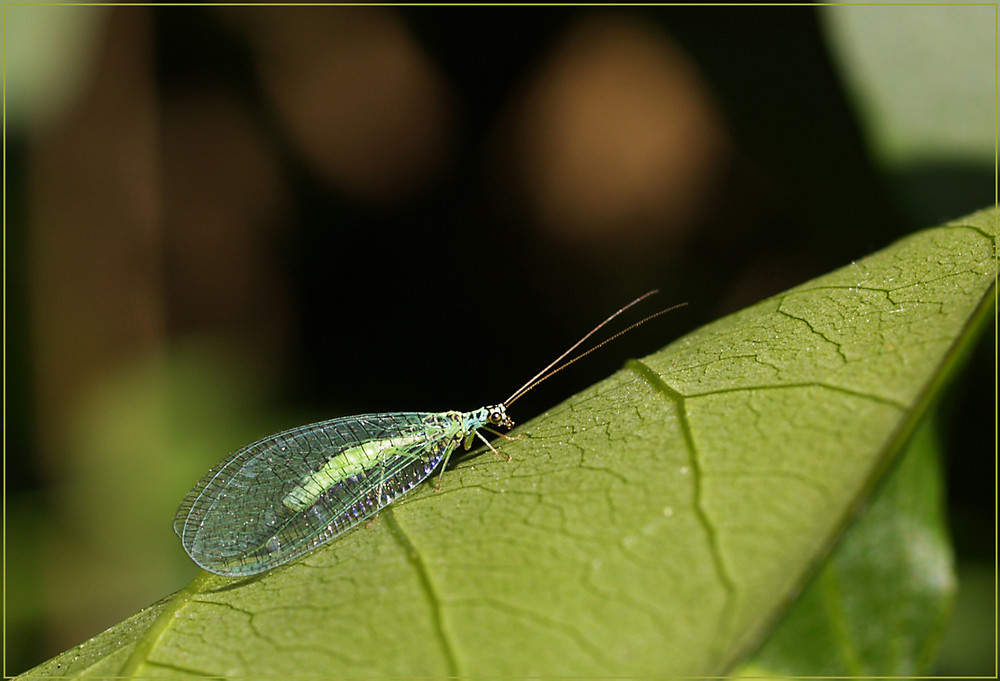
<point>497,417</point>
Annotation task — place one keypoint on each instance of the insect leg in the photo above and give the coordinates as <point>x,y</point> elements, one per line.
<point>444,464</point>
<point>492,448</point>
<point>505,436</point>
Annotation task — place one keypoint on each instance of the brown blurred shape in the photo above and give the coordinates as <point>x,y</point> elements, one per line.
<point>620,141</point>
<point>360,99</point>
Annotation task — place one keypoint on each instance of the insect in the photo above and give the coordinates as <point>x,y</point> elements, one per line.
<point>281,497</point>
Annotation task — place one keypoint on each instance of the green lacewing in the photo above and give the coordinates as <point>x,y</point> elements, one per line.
<point>283,496</point>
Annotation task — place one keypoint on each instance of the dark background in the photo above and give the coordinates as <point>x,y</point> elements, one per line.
<point>242,219</point>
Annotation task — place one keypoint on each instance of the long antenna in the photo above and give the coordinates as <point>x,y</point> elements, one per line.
<point>549,371</point>
<point>520,393</point>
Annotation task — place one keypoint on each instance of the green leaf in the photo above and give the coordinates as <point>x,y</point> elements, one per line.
<point>898,65</point>
<point>656,524</point>
<point>879,605</point>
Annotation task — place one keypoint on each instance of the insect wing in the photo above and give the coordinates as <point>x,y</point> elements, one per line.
<point>286,494</point>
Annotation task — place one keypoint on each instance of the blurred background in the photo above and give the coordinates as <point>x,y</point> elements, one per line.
<point>224,221</point>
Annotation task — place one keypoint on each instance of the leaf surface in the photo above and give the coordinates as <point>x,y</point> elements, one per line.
<point>880,602</point>
<point>657,523</point>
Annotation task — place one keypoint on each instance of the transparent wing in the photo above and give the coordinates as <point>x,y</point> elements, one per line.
<point>286,494</point>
